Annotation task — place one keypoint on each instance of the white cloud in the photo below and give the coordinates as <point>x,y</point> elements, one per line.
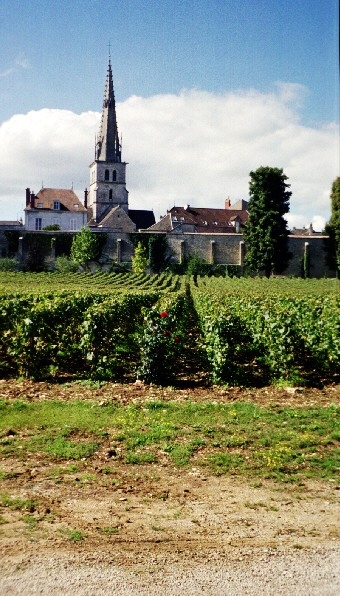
<point>195,147</point>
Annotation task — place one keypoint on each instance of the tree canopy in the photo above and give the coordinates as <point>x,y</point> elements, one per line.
<point>85,247</point>
<point>139,259</point>
<point>333,226</point>
<point>266,232</point>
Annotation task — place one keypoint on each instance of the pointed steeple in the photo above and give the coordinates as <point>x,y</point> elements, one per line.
<point>108,147</point>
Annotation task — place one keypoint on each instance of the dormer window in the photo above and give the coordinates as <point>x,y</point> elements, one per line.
<point>56,205</point>
<point>174,218</point>
<point>40,205</point>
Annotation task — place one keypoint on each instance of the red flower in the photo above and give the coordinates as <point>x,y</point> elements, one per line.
<point>177,339</point>
<point>163,314</point>
<point>166,333</point>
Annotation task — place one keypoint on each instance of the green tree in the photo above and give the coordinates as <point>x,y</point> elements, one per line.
<point>139,259</point>
<point>266,232</point>
<point>85,247</point>
<point>333,227</point>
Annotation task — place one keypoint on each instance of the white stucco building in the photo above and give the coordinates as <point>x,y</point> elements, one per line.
<point>54,207</point>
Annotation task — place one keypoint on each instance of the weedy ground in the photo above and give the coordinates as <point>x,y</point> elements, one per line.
<point>94,465</point>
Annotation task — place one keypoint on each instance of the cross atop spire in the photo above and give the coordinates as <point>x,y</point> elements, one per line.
<point>108,147</point>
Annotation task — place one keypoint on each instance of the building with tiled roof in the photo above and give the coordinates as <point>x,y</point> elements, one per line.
<point>209,220</point>
<point>54,207</point>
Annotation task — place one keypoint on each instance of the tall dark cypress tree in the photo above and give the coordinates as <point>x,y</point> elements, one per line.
<point>266,232</point>
<point>333,228</point>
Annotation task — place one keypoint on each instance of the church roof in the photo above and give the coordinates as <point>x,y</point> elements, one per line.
<point>142,218</point>
<point>117,218</point>
<point>108,147</point>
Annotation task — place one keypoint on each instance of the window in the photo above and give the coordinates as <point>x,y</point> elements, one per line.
<point>114,176</point>
<point>110,194</point>
<point>73,224</point>
<point>56,205</point>
<point>38,224</point>
<point>40,205</point>
<point>107,175</point>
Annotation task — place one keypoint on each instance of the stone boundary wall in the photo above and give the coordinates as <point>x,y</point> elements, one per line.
<point>226,249</point>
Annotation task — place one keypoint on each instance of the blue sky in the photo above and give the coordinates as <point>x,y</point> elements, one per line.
<point>54,56</point>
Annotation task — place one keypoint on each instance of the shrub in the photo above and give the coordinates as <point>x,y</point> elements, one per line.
<point>66,265</point>
<point>7,264</point>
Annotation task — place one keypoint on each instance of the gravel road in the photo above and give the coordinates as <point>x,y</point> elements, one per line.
<point>302,573</point>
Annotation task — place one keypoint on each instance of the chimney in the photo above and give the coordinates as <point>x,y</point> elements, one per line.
<point>85,198</point>
<point>227,203</point>
<point>32,197</point>
<point>311,231</point>
<point>28,194</point>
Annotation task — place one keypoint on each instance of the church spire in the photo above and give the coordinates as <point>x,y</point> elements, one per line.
<point>108,147</point>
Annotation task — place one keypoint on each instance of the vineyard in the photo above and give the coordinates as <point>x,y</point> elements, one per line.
<point>167,329</point>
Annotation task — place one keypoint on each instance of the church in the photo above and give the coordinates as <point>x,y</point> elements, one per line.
<point>106,203</point>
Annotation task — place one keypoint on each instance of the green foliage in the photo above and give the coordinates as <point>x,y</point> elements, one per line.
<point>36,248</point>
<point>257,332</point>
<point>139,260</point>
<point>64,264</point>
<point>161,342</point>
<point>12,237</point>
<point>333,228</point>
<point>156,249</point>
<point>63,244</point>
<point>7,264</point>
<point>266,232</point>
<point>86,247</point>
<point>197,266</point>
<point>51,228</point>
<point>108,333</point>
<point>158,252</point>
<point>251,331</point>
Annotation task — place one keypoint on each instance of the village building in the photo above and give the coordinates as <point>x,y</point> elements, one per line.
<point>204,220</point>
<point>57,207</point>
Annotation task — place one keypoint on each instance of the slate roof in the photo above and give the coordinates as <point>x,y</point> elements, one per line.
<point>10,223</point>
<point>142,218</point>
<point>304,231</point>
<point>68,200</point>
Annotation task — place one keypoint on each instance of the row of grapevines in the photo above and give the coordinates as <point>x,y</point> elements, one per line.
<point>13,283</point>
<point>79,333</point>
<point>249,332</point>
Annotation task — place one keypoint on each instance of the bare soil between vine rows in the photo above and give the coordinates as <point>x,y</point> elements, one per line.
<point>163,529</point>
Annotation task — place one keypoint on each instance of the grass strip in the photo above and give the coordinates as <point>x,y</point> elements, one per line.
<point>240,438</point>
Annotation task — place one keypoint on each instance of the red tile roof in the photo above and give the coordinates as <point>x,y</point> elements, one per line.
<point>67,198</point>
<point>210,220</point>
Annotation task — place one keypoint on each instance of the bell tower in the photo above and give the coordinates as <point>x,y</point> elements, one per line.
<point>107,171</point>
